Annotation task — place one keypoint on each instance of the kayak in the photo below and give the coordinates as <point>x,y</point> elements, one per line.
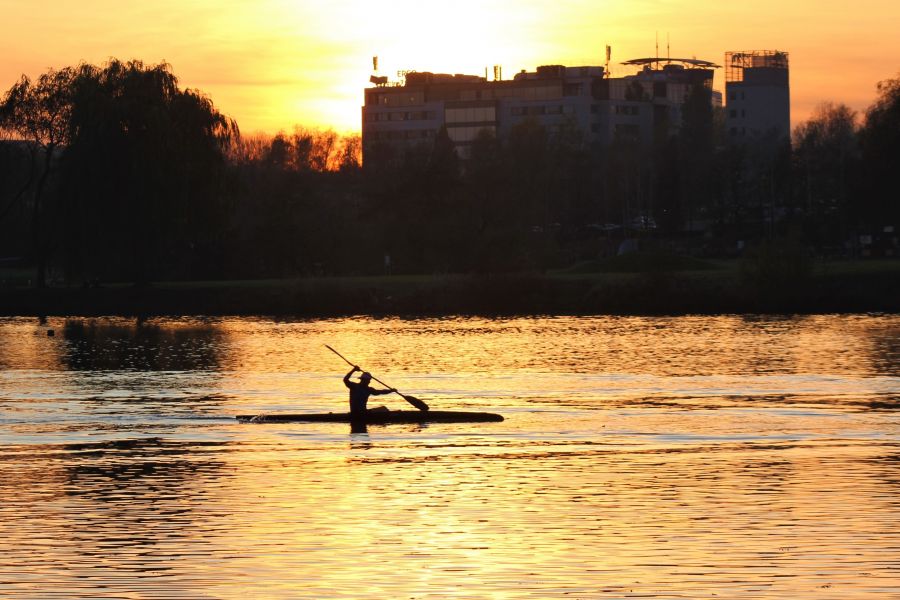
<point>377,417</point>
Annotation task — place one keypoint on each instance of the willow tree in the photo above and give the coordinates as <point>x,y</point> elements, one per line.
<point>144,172</point>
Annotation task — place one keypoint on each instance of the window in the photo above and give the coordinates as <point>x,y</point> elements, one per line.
<point>572,89</point>
<point>517,111</point>
<point>732,113</point>
<point>465,134</point>
<point>743,113</point>
<point>554,110</point>
<point>475,114</point>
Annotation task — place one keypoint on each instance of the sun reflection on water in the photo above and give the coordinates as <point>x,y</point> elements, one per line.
<point>668,458</point>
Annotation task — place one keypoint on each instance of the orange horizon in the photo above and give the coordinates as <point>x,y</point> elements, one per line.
<point>275,64</point>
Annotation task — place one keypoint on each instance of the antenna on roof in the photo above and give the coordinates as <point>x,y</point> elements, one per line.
<point>608,57</point>
<point>375,63</point>
<point>668,49</point>
<point>657,49</point>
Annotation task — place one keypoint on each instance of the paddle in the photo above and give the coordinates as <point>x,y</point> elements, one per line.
<point>411,399</point>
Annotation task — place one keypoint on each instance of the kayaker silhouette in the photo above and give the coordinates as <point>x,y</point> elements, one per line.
<point>360,392</point>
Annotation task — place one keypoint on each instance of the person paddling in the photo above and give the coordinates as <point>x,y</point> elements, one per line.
<point>360,391</point>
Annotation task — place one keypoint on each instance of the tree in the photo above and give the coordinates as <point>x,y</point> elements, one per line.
<point>880,146</point>
<point>443,164</point>
<point>39,112</point>
<point>143,172</point>
<point>350,155</point>
<point>696,150</point>
<point>826,160</point>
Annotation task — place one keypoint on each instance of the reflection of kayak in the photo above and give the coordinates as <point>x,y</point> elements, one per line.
<point>377,417</point>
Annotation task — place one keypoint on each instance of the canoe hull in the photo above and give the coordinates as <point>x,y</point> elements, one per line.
<point>377,417</point>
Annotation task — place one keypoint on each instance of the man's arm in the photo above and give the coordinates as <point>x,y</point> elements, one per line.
<point>347,376</point>
<point>375,392</point>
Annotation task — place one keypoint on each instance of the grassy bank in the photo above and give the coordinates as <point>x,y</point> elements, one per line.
<point>695,287</point>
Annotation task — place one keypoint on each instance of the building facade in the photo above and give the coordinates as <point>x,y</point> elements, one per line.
<point>757,91</point>
<point>637,107</point>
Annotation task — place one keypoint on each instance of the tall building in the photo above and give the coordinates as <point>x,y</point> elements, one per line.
<point>399,117</point>
<point>758,98</point>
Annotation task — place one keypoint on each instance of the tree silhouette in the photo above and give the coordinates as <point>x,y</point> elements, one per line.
<point>40,112</point>
<point>826,159</point>
<point>880,145</point>
<point>143,170</point>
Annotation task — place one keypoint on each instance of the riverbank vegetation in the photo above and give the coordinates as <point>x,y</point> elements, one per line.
<point>123,192</point>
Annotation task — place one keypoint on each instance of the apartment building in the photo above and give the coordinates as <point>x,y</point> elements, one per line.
<point>400,117</point>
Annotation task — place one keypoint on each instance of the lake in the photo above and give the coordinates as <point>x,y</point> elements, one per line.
<point>681,457</point>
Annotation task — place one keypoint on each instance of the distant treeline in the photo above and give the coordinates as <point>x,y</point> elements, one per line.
<point>115,173</point>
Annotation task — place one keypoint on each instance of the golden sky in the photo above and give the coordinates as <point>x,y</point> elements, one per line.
<point>272,64</point>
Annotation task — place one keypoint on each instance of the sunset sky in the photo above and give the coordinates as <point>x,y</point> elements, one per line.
<point>272,64</point>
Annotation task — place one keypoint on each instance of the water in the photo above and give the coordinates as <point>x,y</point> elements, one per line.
<point>689,457</point>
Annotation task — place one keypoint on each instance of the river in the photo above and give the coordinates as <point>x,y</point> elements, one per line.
<point>681,457</point>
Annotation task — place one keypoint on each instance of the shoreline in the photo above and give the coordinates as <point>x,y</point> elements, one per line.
<point>650,294</point>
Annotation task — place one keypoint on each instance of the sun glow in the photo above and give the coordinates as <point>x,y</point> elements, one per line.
<point>276,63</point>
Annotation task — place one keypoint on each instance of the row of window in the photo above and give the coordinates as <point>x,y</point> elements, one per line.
<point>572,89</point>
<point>628,109</point>
<point>479,114</point>
<point>538,92</point>
<point>488,114</point>
<point>396,99</point>
<point>733,113</point>
<point>415,115</point>
<point>553,109</point>
<point>467,134</point>
<point>408,134</point>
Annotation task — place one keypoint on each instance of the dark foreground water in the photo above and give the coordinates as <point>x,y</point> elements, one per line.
<point>690,457</point>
